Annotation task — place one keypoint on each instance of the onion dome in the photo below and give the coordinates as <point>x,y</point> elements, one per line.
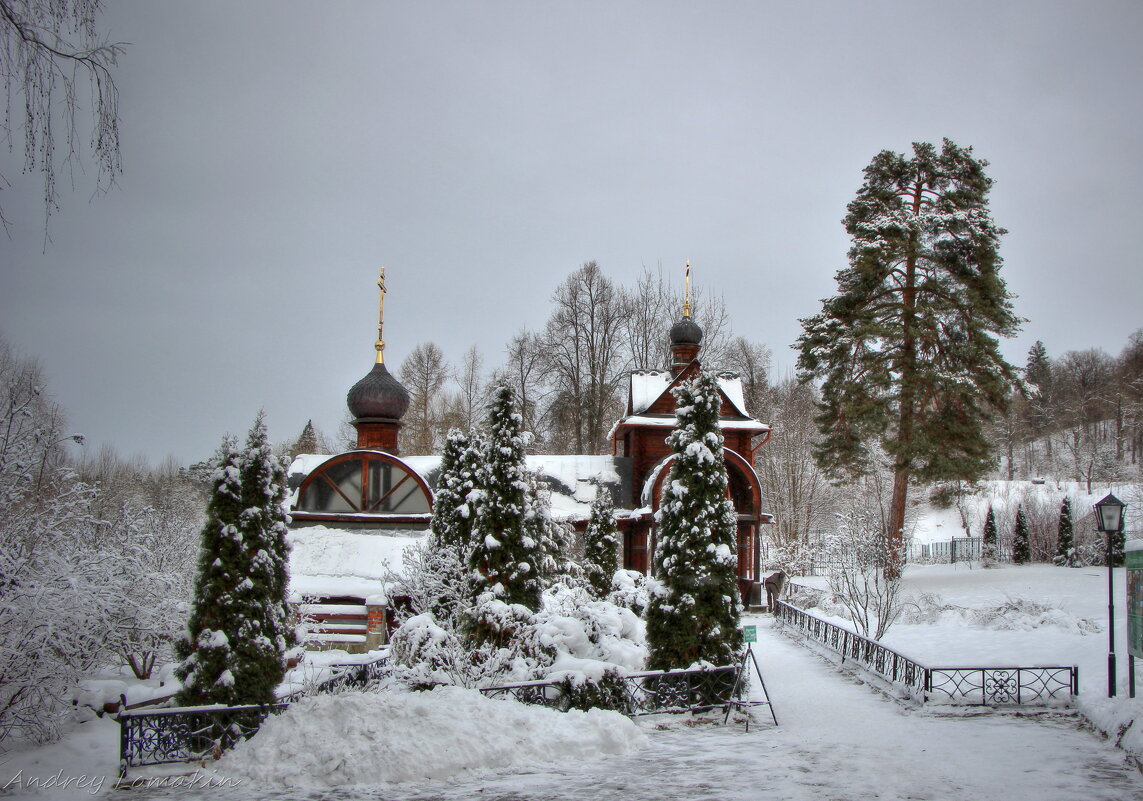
<point>686,332</point>
<point>378,394</point>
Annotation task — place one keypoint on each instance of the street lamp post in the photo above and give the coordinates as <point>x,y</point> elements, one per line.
<point>1109,518</point>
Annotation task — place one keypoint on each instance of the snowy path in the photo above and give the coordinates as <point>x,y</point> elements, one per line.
<point>839,740</point>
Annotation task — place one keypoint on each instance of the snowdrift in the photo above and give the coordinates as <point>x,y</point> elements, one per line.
<point>393,736</point>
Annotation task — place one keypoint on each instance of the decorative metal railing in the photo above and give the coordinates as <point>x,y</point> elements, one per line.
<point>990,686</point>
<point>975,686</point>
<point>649,693</point>
<point>197,733</point>
<point>186,734</point>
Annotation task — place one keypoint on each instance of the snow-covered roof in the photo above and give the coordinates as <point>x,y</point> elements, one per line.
<point>328,561</point>
<point>647,386</point>
<point>668,421</point>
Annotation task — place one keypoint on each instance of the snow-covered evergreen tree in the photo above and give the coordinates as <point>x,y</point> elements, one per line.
<point>601,543</point>
<point>436,578</point>
<point>1021,552</point>
<point>908,349</point>
<point>988,549</point>
<point>239,629</point>
<point>1065,540</point>
<point>556,537</point>
<point>693,616</point>
<point>505,558</point>
<point>461,467</point>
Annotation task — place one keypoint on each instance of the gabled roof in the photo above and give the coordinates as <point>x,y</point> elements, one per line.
<point>649,402</point>
<point>647,386</point>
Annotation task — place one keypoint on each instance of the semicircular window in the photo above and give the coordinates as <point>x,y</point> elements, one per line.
<point>364,483</point>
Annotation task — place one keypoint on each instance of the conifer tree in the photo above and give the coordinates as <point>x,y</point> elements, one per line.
<point>461,465</point>
<point>601,543</point>
<point>443,586</point>
<point>908,347</point>
<point>694,616</point>
<point>1065,541</point>
<point>556,537</point>
<point>239,628</point>
<point>988,540</point>
<point>505,557</point>
<point>1021,551</point>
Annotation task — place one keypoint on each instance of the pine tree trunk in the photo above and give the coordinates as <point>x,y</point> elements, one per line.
<point>896,533</point>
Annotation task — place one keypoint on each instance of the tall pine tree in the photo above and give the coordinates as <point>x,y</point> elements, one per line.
<point>1065,540</point>
<point>1021,551</point>
<point>601,543</point>
<point>239,629</point>
<point>694,617</point>
<point>908,347</point>
<point>506,555</point>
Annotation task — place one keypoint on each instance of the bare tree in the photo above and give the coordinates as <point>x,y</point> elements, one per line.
<point>50,49</point>
<point>751,361</point>
<point>857,556</point>
<point>583,341</point>
<point>465,408</point>
<point>653,305</point>
<point>647,317</point>
<point>794,488</point>
<point>524,371</point>
<point>423,372</point>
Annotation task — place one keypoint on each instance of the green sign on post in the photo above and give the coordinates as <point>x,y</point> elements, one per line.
<point>750,634</point>
<point>1135,598</point>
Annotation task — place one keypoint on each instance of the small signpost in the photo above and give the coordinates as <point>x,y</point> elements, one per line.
<point>749,636</point>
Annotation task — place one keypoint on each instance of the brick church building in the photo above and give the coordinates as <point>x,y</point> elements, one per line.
<point>354,513</point>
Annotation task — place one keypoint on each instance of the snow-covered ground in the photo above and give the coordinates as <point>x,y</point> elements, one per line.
<point>838,738</point>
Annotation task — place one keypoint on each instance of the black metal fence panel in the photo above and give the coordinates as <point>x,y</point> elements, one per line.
<point>969,686</point>
<point>198,733</point>
<point>649,693</point>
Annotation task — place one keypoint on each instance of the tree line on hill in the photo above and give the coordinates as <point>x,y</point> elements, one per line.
<point>1078,416</point>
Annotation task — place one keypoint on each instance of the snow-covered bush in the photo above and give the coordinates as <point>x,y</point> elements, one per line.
<point>629,589</point>
<point>571,637</point>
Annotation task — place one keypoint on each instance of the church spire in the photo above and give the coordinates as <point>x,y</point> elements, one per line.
<point>686,336</point>
<point>380,344</point>
<point>378,401</point>
<point>687,296</point>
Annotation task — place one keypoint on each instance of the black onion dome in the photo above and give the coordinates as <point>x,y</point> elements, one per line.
<point>379,394</point>
<point>686,332</point>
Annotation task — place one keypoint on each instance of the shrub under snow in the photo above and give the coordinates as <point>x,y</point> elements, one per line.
<point>571,636</point>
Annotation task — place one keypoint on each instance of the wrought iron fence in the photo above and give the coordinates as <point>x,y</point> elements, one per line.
<point>989,686</point>
<point>978,686</point>
<point>649,693</point>
<point>197,733</point>
<point>186,734</point>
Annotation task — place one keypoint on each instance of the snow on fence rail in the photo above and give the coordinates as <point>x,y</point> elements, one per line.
<point>194,733</point>
<point>970,686</point>
<point>649,693</point>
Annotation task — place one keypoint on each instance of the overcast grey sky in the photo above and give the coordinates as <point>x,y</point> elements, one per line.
<point>277,153</point>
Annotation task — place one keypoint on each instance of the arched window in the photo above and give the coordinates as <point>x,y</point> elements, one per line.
<point>364,482</point>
